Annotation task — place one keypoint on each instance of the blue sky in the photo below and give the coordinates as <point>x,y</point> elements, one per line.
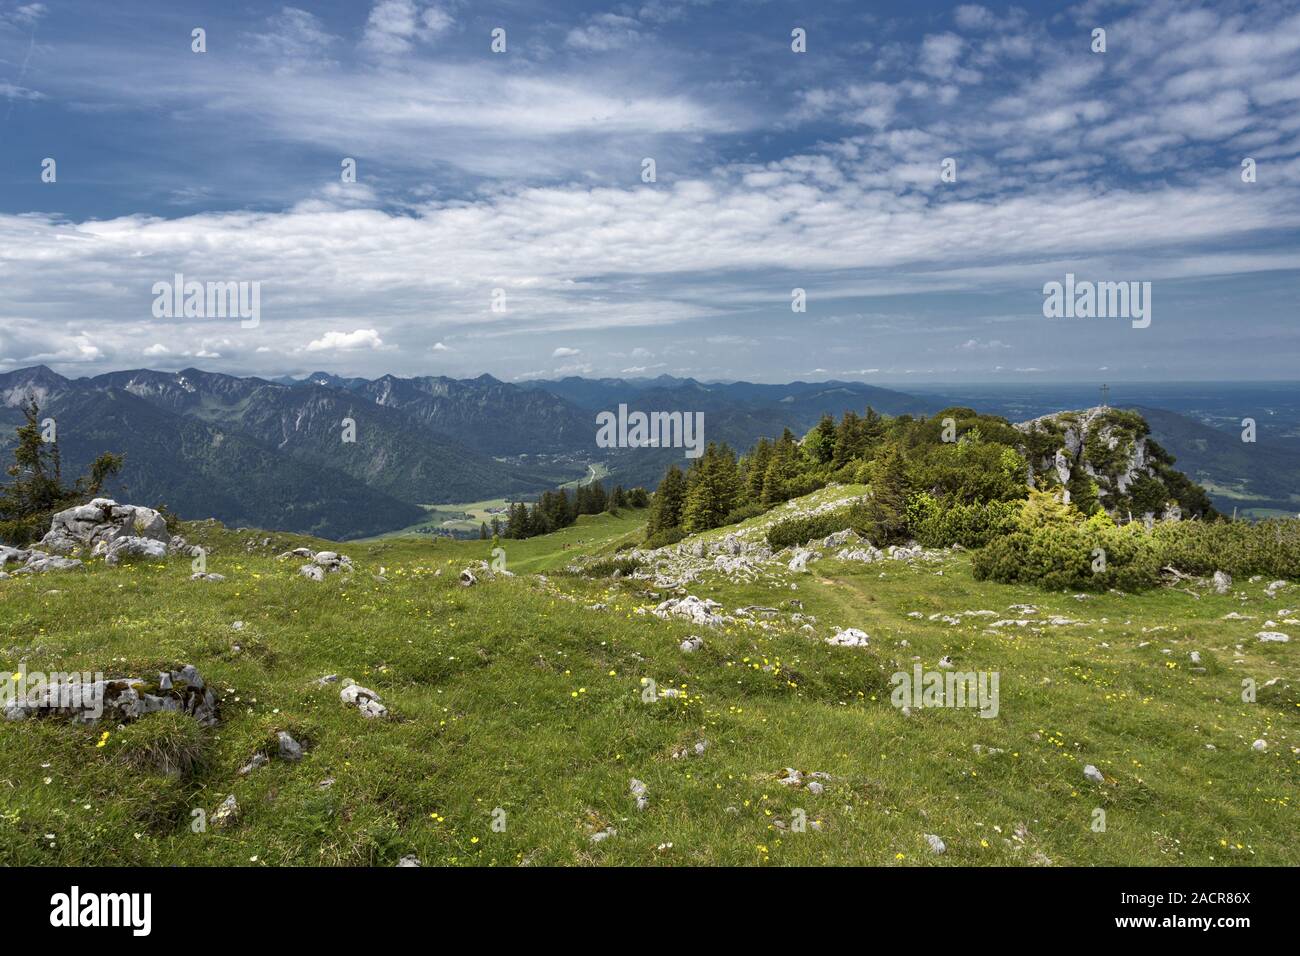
<point>522,171</point>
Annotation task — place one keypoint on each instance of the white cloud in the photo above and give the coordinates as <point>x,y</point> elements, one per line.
<point>394,26</point>
<point>157,349</point>
<point>971,16</point>
<point>292,38</point>
<point>604,32</point>
<point>11,92</point>
<point>564,352</point>
<point>346,341</point>
<point>25,15</point>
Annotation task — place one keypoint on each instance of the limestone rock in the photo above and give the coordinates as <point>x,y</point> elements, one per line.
<point>132,548</point>
<point>364,699</point>
<point>849,637</point>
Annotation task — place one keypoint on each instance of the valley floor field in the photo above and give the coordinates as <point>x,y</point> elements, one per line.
<point>527,694</point>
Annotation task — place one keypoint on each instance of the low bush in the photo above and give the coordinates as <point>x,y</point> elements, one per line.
<point>661,539</point>
<point>1082,557</point>
<point>1269,547</point>
<point>795,531</point>
<point>607,567</point>
<point>940,524</point>
<point>1053,546</point>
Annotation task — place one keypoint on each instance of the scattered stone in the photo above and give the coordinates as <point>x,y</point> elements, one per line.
<point>849,637</point>
<point>207,576</point>
<point>691,644</point>
<point>41,563</point>
<point>792,778</point>
<point>638,790</point>
<point>937,846</point>
<point>364,699</point>
<point>1222,582</point>
<point>409,860</point>
<point>259,760</point>
<point>1093,774</point>
<point>1273,637</point>
<point>601,835</point>
<point>227,813</point>
<point>1259,746</point>
<point>312,572</point>
<point>290,749</point>
<point>816,787</point>
<point>467,578</point>
<point>696,610</point>
<point>946,662</point>
<point>799,563</point>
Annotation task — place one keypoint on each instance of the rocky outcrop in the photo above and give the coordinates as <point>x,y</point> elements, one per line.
<point>134,548</point>
<point>101,522</point>
<point>700,611</point>
<point>122,699</point>
<point>1109,450</point>
<point>35,562</point>
<point>321,563</point>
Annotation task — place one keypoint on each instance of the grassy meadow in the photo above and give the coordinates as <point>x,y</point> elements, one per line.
<point>521,701</point>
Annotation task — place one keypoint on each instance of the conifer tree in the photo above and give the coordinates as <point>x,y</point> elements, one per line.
<point>666,508</point>
<point>712,486</point>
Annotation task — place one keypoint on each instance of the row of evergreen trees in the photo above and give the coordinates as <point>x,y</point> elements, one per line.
<point>897,457</point>
<point>555,509</point>
<point>720,488</point>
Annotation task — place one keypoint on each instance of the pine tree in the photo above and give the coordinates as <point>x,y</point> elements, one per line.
<point>666,508</point>
<point>483,531</point>
<point>617,499</point>
<point>755,470</point>
<point>820,443</point>
<point>712,486</point>
<point>887,504</point>
<point>782,470</point>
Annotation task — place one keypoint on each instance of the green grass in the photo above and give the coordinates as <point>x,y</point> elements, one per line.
<point>512,694</point>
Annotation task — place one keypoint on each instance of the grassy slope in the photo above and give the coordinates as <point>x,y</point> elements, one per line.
<point>508,695</point>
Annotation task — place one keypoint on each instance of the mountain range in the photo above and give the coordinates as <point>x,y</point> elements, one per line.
<point>273,453</point>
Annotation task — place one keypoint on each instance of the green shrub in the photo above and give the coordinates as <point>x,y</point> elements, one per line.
<point>661,539</point>
<point>938,524</point>
<point>1067,557</point>
<point>795,531</point>
<point>1053,547</point>
<point>744,513</point>
<point>606,567</point>
<point>1269,547</point>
